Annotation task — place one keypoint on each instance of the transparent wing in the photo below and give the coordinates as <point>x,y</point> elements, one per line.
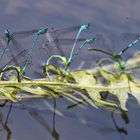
<point>66,30</point>
<point>9,54</point>
<point>16,46</point>
<point>14,59</point>
<point>24,34</point>
<point>47,51</point>
<point>69,41</point>
<point>58,47</point>
<point>53,43</point>
<point>102,44</point>
<point>62,42</point>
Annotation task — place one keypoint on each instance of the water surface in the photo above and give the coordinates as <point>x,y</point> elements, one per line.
<point>108,21</point>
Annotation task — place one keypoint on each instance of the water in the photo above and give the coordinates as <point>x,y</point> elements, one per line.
<point>108,19</point>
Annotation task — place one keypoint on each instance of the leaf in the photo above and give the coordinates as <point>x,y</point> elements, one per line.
<point>80,86</point>
<point>37,90</point>
<point>109,76</point>
<point>83,77</point>
<point>134,99</point>
<point>96,98</point>
<point>10,93</point>
<point>116,80</point>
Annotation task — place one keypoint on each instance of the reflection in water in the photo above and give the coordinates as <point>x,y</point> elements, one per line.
<point>37,116</point>
<point>120,129</point>
<point>6,40</point>
<point>4,103</point>
<point>44,123</point>
<point>123,115</point>
<point>107,18</point>
<point>4,122</point>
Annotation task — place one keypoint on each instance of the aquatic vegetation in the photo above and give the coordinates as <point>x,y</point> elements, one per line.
<point>89,82</point>
<point>103,86</point>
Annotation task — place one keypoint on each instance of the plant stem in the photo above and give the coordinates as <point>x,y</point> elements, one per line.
<point>81,86</point>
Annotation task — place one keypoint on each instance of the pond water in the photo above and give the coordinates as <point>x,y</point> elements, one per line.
<point>109,20</point>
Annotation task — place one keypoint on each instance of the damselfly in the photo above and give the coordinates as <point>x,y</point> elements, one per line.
<point>56,39</point>
<point>8,52</point>
<point>130,45</point>
<point>5,41</point>
<point>116,59</point>
<point>105,49</point>
<point>51,37</point>
<point>132,36</point>
<point>9,38</point>
<point>36,35</point>
<point>72,54</point>
<point>53,42</point>
<point>81,28</point>
<point>120,53</point>
<point>116,56</point>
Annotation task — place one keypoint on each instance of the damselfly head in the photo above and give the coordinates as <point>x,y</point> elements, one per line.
<point>44,30</point>
<point>84,26</point>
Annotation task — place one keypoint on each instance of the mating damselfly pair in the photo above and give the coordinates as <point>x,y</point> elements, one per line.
<point>12,50</point>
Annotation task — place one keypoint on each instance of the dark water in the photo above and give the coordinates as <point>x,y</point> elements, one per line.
<point>108,21</point>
